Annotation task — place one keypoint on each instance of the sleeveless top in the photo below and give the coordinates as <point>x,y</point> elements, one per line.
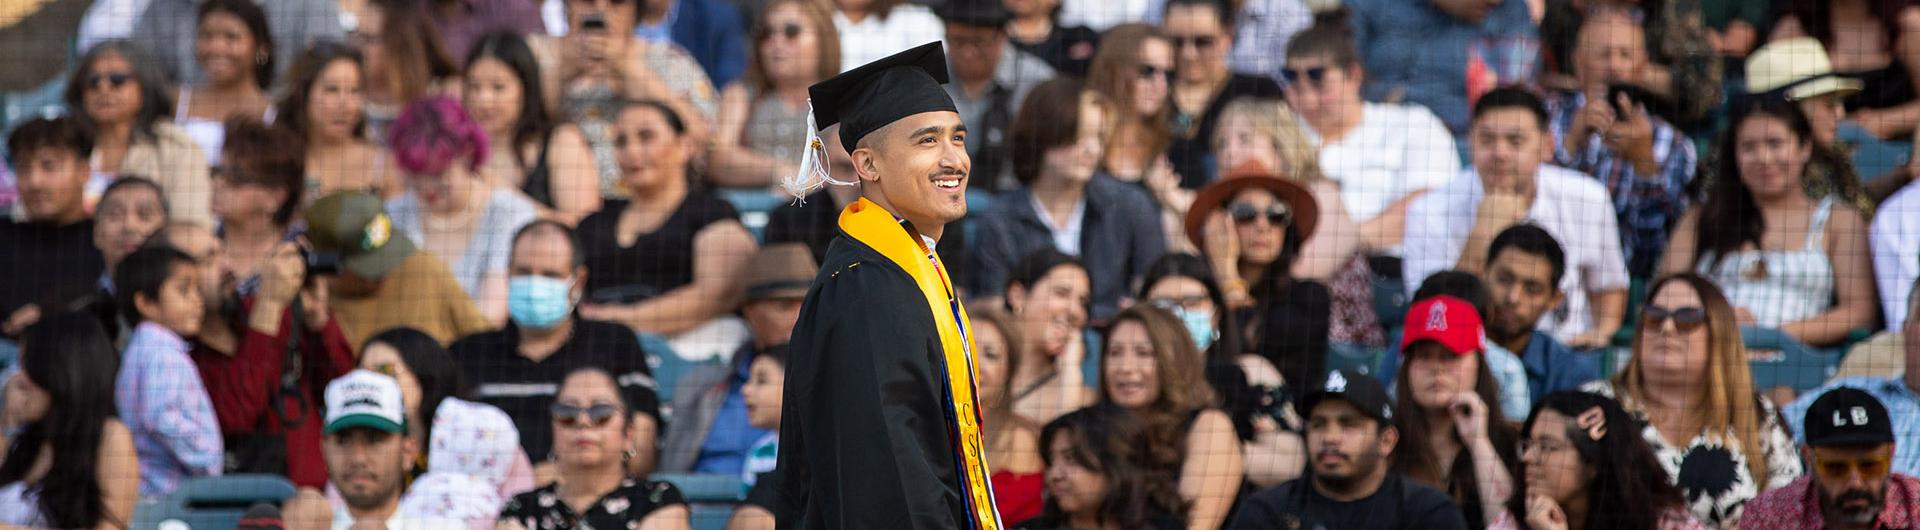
<point>657,262</point>
<point>209,133</point>
<point>774,129</point>
<point>538,183</point>
<point>20,507</point>
<point>1779,286</point>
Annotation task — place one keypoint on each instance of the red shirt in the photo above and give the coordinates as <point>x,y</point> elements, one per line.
<point>243,385</point>
<point>1018,496</point>
<point>1796,506</point>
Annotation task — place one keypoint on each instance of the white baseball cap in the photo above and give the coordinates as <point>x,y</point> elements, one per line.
<point>1798,65</point>
<point>365,399</point>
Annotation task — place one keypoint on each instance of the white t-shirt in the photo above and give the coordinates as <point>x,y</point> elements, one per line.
<point>1895,237</point>
<point>876,37</point>
<point>1394,151</point>
<point>1573,207</point>
<point>343,520</point>
<point>1101,15</point>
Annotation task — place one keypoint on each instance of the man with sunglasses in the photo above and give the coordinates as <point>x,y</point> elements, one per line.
<point>880,425</point>
<point>1900,393</point>
<point>1849,448</point>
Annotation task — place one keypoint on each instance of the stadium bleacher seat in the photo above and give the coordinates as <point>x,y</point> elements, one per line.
<point>1778,360</point>
<point>210,503</point>
<point>712,496</point>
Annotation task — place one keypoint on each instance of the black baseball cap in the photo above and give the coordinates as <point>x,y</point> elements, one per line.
<point>1363,391</point>
<point>1847,416</point>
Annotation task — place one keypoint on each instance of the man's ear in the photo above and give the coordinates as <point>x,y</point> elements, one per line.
<point>1389,438</point>
<point>864,164</point>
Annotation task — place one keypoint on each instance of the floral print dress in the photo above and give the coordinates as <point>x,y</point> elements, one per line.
<point>622,509</point>
<point>1711,471</point>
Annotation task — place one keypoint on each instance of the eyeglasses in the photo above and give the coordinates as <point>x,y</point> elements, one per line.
<point>1277,214</point>
<point>1199,42</point>
<point>1543,446</point>
<point>789,30</point>
<point>597,415</point>
<point>113,79</point>
<point>1150,72</point>
<point>1315,75</point>
<point>1839,469</point>
<point>1685,319</point>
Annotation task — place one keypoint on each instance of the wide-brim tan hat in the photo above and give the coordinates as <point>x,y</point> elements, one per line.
<point>1797,66</point>
<point>1306,210</point>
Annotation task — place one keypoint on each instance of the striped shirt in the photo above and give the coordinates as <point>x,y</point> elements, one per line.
<point>1648,205</point>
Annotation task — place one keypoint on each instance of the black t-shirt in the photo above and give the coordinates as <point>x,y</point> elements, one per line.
<point>657,262</point>
<point>47,264</point>
<point>1155,521</point>
<point>524,388</point>
<point>1398,504</point>
<point>1192,155</point>
<point>1069,50</point>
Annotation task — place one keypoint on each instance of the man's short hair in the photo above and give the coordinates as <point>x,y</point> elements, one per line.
<point>1511,97</point>
<point>1458,284</point>
<point>559,229</point>
<point>1529,238</point>
<point>127,182</point>
<point>49,133</point>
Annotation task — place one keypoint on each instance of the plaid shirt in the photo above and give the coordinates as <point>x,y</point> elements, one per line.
<point>1797,506</point>
<point>1648,205</point>
<point>164,404</point>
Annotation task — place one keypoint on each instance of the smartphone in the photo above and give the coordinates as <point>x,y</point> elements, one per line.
<point>1635,94</point>
<point>593,22</point>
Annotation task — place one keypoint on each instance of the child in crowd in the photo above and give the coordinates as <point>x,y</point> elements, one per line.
<point>158,392</point>
<point>766,381</point>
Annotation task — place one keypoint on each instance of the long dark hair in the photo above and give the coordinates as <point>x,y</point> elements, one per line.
<point>1729,217</point>
<point>69,357</point>
<point>416,57</point>
<point>432,366</point>
<point>534,123</point>
<point>1414,458</point>
<point>250,14</point>
<point>304,73</point>
<point>1184,265</point>
<point>156,96</point>
<point>1629,490</point>
<point>1108,440</point>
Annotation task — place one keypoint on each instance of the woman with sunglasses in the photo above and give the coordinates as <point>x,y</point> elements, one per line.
<point>325,104</point>
<point>1786,259</point>
<point>600,63</point>
<point>1151,368</point>
<point>1264,133</point>
<point>595,432</point>
<point>1382,155</point>
<point>1688,383</point>
<point>545,160</point>
<point>235,53</point>
<point>120,96</point>
<point>1202,33</point>
<point>795,46</point>
<point>450,209</point>
<point>1250,389</point>
<point>1587,469</point>
<point>469,451</point>
<point>1036,29</point>
<point>1133,72</point>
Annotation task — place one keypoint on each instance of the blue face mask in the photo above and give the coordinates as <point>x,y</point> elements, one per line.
<point>539,302</point>
<point>1200,326</point>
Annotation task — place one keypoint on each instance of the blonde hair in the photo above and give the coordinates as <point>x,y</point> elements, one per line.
<point>1726,404</point>
<point>1275,120</point>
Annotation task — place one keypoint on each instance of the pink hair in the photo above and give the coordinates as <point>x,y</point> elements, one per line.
<point>432,133</point>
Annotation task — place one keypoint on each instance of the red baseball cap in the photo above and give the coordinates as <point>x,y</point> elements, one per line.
<point>1448,320</point>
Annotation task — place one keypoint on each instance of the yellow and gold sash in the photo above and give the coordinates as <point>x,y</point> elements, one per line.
<point>873,226</point>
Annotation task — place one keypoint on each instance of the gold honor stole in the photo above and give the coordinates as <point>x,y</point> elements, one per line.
<point>873,226</point>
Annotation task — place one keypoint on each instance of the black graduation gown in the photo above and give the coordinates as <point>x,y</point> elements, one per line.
<point>865,441</point>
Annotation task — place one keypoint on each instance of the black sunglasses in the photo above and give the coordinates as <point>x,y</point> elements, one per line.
<point>1314,75</point>
<point>788,30</point>
<point>1277,213</point>
<point>1148,72</point>
<point>114,80</point>
<point>1685,319</point>
<point>598,415</point>
<point>1201,42</point>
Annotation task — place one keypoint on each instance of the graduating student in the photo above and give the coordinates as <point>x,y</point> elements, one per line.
<point>881,427</point>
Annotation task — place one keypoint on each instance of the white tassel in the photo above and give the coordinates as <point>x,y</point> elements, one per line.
<point>813,165</point>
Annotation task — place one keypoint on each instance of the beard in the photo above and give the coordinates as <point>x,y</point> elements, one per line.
<point>1836,512</point>
<point>1363,466</point>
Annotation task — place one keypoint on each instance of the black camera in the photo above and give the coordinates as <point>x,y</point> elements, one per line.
<point>319,263</point>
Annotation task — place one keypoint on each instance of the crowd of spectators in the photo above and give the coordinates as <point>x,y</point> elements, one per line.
<point>1645,264</point>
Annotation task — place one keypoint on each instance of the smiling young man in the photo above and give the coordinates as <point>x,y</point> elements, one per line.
<point>1350,485</point>
<point>882,428</point>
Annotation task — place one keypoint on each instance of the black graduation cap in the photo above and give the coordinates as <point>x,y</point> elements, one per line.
<point>864,99</point>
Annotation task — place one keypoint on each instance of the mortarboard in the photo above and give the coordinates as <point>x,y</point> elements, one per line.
<point>867,98</point>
